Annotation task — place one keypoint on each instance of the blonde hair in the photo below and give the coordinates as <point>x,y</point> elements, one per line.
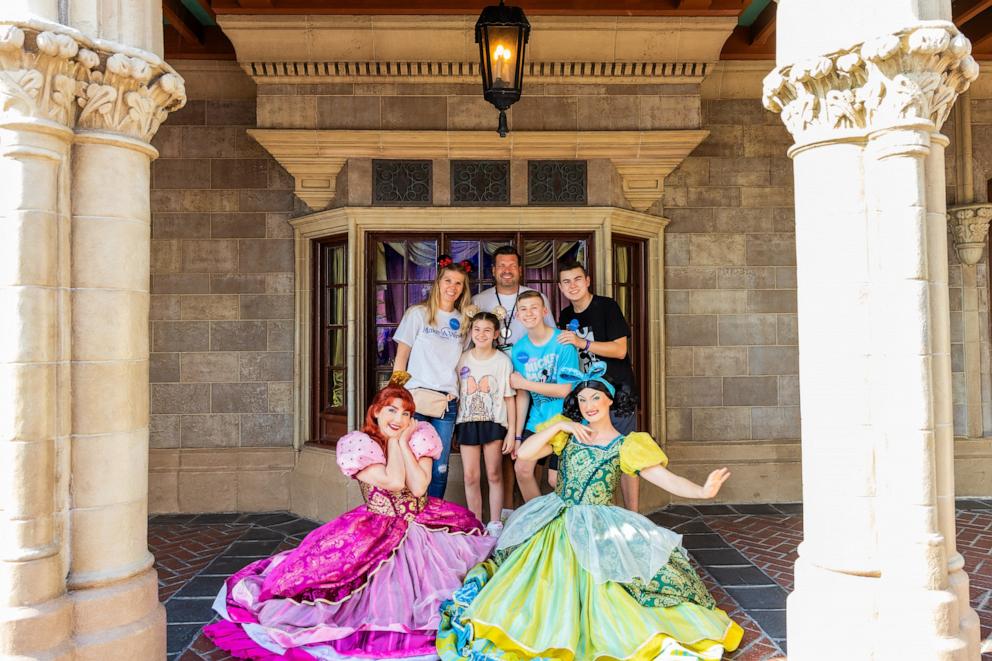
<point>433,302</point>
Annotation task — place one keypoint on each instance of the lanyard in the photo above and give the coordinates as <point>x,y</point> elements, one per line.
<point>509,317</point>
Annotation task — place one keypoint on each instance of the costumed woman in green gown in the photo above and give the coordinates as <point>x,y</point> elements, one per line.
<point>575,577</point>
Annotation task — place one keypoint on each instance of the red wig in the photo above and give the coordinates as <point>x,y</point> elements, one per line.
<point>382,399</point>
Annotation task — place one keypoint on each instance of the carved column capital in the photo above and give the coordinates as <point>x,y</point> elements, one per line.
<point>969,226</point>
<point>61,76</point>
<point>909,77</point>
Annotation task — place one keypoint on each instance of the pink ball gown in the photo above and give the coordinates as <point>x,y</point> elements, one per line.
<point>367,585</point>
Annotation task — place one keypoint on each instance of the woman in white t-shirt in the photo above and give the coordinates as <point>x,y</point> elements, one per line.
<point>429,342</point>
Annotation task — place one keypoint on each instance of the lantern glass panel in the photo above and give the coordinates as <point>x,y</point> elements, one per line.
<point>503,54</point>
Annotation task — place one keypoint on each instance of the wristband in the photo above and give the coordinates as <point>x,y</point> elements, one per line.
<point>518,438</point>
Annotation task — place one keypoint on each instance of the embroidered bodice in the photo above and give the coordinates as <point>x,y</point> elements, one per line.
<point>589,474</point>
<point>389,503</point>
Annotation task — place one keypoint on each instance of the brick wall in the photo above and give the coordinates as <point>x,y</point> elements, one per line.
<point>730,282</point>
<point>222,285</point>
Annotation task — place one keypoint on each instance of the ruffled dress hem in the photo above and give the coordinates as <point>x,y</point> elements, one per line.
<point>704,647</point>
<point>233,639</point>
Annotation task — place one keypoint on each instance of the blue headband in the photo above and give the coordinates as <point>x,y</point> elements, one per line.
<point>597,371</point>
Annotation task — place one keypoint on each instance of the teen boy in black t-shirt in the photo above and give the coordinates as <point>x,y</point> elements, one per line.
<point>596,327</point>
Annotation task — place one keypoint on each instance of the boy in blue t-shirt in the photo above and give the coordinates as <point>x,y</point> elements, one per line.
<point>538,359</point>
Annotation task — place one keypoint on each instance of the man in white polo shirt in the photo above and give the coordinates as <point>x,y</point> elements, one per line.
<point>507,270</point>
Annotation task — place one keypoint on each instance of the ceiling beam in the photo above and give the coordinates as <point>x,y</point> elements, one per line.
<point>256,4</point>
<point>205,6</point>
<point>965,10</point>
<point>764,26</point>
<point>694,4</point>
<point>183,21</point>
<point>739,46</point>
<point>215,46</point>
<point>979,30</point>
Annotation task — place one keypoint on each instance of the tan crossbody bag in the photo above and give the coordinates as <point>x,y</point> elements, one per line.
<point>429,402</point>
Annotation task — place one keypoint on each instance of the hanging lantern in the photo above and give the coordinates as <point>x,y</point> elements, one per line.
<point>502,34</point>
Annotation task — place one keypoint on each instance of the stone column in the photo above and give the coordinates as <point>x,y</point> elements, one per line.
<point>114,587</point>
<point>874,347</point>
<point>969,225</point>
<point>35,616</point>
<point>75,571</point>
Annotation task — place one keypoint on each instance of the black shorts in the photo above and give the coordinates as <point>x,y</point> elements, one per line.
<point>479,433</point>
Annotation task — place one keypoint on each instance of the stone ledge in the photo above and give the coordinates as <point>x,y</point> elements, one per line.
<point>973,467</point>
<point>207,480</point>
<point>311,485</point>
<point>763,471</point>
<point>315,157</point>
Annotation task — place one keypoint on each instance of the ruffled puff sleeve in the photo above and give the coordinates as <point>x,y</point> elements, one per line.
<point>424,441</point>
<point>357,451</point>
<point>639,451</point>
<point>559,440</point>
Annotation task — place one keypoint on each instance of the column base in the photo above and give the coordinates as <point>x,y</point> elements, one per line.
<point>123,620</point>
<point>826,603</point>
<point>877,625</point>
<point>37,632</point>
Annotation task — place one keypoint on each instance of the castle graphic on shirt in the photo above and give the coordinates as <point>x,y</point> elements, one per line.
<point>477,404</point>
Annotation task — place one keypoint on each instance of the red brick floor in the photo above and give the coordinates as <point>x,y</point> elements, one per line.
<point>770,542</point>
<point>756,646</point>
<point>182,551</point>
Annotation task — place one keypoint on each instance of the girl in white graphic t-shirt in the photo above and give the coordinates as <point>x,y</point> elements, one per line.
<point>429,342</point>
<point>486,409</point>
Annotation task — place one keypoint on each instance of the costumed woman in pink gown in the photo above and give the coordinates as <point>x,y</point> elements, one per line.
<point>369,584</point>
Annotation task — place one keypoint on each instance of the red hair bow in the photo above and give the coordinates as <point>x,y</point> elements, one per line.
<point>445,262</point>
<point>467,265</point>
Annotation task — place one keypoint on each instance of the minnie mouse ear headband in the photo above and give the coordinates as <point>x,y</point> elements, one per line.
<point>444,261</point>
<point>597,372</point>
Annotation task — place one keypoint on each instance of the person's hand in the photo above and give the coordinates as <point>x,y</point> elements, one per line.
<point>581,432</point>
<point>568,337</point>
<point>714,482</point>
<point>407,432</point>
<point>508,444</point>
<point>516,449</point>
<point>518,382</point>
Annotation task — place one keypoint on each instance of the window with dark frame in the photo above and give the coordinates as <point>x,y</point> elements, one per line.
<point>399,274</point>
<point>330,336</point>
<point>630,295</point>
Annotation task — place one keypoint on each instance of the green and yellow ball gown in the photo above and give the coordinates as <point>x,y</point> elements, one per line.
<point>577,578</point>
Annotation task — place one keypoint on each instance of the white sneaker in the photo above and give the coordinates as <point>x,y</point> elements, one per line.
<point>494,528</point>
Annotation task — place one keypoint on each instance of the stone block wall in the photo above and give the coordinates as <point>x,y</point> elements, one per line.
<point>730,282</point>
<point>962,300</point>
<point>222,303</point>
<point>222,300</point>
<point>460,107</point>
